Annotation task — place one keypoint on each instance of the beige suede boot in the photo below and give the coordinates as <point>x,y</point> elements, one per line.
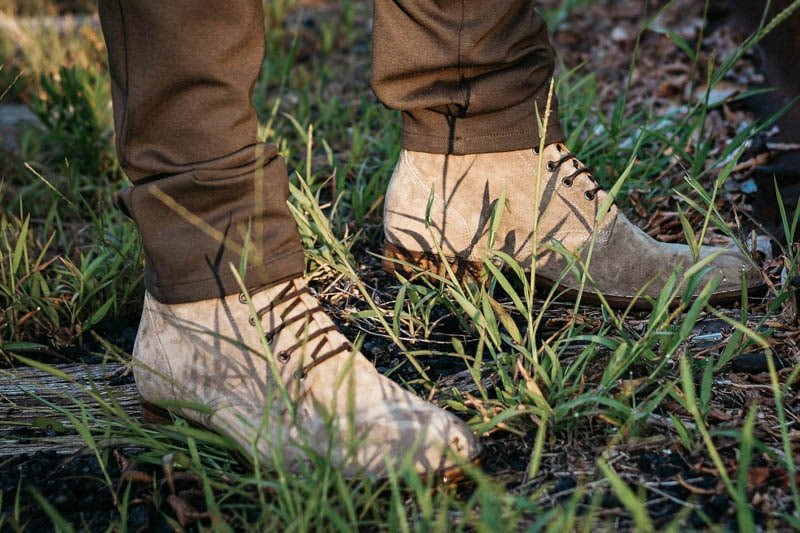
<point>311,395</point>
<point>457,195</point>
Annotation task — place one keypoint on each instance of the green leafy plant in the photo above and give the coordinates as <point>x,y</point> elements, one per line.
<point>75,108</point>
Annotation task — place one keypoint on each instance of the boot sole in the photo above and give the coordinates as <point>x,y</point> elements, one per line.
<point>395,259</point>
<point>450,477</point>
<point>154,415</point>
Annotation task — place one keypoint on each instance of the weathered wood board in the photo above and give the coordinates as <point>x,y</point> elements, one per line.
<point>34,405</point>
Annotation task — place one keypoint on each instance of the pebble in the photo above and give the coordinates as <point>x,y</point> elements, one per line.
<point>14,119</point>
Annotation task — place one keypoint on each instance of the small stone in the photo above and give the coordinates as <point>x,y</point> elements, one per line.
<point>754,363</point>
<point>14,119</point>
<point>619,34</point>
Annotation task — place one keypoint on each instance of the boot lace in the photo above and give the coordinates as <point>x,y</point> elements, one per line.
<point>567,181</point>
<point>303,316</point>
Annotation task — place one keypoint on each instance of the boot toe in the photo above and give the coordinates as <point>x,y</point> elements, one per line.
<point>426,437</point>
<point>733,267</point>
<point>447,442</point>
<point>373,443</point>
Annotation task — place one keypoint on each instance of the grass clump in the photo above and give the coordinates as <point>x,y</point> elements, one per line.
<point>65,250</point>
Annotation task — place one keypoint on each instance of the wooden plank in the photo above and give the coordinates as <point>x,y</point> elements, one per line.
<point>31,401</point>
<point>29,422</point>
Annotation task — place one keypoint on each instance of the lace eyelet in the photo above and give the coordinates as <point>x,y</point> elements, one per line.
<point>299,374</point>
<point>566,183</point>
<point>242,298</point>
<point>589,195</point>
<point>252,321</point>
<point>551,166</point>
<point>283,357</point>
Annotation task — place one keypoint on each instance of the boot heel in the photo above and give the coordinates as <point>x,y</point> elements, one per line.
<point>154,415</point>
<point>395,257</point>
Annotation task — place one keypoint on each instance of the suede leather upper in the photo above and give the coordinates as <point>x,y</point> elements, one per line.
<point>209,354</point>
<point>446,202</point>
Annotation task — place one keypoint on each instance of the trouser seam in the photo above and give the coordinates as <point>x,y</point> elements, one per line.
<point>461,80</point>
<point>125,127</point>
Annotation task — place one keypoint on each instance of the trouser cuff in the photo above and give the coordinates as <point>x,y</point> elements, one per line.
<point>223,282</point>
<point>500,132</point>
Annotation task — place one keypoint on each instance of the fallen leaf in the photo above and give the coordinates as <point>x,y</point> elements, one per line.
<point>757,476</point>
<point>185,512</point>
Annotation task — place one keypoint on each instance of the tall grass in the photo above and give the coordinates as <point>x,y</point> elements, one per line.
<point>540,372</point>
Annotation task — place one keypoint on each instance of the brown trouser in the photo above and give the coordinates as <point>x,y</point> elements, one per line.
<point>469,76</point>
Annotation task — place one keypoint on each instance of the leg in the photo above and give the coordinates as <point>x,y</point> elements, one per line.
<point>182,75</point>
<point>471,105</point>
<point>268,369</point>
<point>779,66</point>
<point>469,79</point>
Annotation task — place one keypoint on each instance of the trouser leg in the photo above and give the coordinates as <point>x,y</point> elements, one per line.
<point>469,75</point>
<point>203,188</point>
